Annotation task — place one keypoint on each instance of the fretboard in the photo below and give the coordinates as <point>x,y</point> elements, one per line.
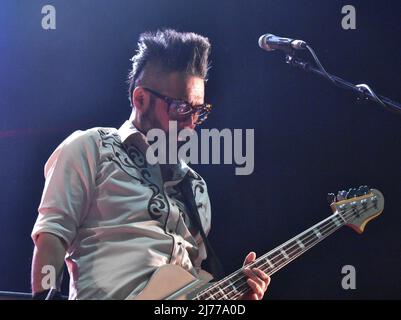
<point>234,285</point>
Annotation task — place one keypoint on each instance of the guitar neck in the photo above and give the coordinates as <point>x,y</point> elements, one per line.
<point>234,285</point>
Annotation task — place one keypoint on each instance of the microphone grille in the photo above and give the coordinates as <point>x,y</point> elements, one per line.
<point>263,44</point>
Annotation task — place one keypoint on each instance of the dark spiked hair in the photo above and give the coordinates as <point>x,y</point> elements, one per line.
<point>172,51</point>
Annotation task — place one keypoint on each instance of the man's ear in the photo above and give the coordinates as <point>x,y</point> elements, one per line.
<point>140,99</point>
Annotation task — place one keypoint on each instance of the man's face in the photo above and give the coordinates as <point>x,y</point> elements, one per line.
<point>177,85</point>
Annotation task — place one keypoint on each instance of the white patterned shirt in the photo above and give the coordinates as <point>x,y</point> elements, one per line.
<point>120,221</point>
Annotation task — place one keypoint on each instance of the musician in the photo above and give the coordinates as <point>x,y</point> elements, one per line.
<point>110,214</point>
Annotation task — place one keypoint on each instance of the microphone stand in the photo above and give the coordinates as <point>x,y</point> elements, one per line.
<point>363,92</point>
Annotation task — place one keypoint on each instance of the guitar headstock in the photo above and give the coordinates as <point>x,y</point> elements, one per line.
<point>357,206</point>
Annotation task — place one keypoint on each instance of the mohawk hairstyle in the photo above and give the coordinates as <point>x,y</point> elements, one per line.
<point>173,51</point>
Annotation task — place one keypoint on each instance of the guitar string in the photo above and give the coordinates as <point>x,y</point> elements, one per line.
<point>310,244</point>
<point>239,272</point>
<point>243,287</point>
<point>235,288</point>
<point>346,215</point>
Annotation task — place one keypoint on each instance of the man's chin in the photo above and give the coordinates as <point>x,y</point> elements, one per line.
<point>186,126</point>
<point>188,130</point>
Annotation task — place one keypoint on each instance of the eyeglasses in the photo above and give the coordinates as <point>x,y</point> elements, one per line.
<point>183,108</point>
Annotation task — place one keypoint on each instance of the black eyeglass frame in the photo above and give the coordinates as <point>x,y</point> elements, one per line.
<point>203,110</point>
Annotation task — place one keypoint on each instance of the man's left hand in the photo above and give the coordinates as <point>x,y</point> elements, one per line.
<point>257,280</point>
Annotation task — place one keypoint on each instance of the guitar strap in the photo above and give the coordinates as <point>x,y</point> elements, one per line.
<point>212,263</point>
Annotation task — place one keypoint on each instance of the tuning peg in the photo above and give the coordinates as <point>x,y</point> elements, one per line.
<point>359,192</point>
<point>331,197</point>
<point>341,195</point>
<point>362,190</point>
<point>352,192</point>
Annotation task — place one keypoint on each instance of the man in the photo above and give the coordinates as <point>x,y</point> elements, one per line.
<point>114,217</point>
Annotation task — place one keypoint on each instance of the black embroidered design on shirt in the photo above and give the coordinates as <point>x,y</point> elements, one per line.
<point>198,184</point>
<point>128,156</point>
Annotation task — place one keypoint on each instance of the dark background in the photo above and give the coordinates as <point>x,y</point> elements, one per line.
<point>310,137</point>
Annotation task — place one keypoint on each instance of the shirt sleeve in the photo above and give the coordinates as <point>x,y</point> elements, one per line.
<point>70,175</point>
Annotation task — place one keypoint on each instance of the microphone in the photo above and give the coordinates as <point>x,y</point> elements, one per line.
<point>270,42</point>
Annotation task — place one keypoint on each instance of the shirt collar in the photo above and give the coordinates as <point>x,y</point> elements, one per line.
<point>129,134</point>
<point>128,129</point>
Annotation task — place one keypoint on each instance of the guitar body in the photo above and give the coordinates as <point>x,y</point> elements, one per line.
<point>172,282</point>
